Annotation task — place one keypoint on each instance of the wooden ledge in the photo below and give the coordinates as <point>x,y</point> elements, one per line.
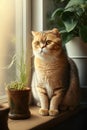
<point>38,122</point>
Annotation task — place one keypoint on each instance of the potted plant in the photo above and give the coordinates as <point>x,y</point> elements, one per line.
<point>71,19</point>
<point>18,94</point>
<point>4,109</point>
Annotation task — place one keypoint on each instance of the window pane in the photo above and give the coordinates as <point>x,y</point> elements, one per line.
<point>7,43</point>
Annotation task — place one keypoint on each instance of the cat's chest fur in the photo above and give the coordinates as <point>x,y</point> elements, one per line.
<point>51,74</point>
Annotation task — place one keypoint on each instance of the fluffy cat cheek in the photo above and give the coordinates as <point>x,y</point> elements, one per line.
<point>37,53</point>
<point>45,50</point>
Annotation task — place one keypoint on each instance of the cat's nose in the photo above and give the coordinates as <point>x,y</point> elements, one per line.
<point>42,45</point>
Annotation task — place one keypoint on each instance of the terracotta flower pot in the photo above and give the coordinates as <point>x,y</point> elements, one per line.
<point>19,103</point>
<point>4,117</point>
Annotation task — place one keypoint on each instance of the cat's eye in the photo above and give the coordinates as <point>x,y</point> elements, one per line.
<point>48,42</point>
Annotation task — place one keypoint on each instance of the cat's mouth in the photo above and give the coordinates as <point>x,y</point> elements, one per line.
<point>41,51</point>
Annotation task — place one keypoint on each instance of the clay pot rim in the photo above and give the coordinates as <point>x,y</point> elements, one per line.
<point>18,90</point>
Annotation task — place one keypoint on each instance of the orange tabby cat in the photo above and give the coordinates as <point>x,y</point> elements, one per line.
<point>55,83</point>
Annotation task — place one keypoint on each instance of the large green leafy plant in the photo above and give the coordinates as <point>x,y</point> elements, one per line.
<point>71,19</point>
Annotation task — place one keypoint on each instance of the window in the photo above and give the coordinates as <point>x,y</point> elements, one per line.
<point>17,19</point>
<point>7,42</point>
<point>14,34</point>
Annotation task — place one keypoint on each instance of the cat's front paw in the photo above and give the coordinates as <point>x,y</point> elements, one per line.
<point>53,112</point>
<point>43,112</point>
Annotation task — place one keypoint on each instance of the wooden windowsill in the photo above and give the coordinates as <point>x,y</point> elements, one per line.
<point>38,122</point>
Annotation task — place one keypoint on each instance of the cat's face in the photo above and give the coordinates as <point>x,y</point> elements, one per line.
<point>47,45</point>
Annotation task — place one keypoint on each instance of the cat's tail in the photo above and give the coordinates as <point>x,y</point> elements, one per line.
<point>72,96</point>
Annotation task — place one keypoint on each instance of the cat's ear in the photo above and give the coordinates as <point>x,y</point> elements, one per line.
<point>34,33</point>
<point>56,32</point>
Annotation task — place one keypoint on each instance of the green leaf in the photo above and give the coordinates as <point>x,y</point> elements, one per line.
<point>75,2</point>
<point>83,33</point>
<point>57,12</point>
<point>69,20</point>
<point>79,10</point>
<point>66,37</point>
<point>56,18</point>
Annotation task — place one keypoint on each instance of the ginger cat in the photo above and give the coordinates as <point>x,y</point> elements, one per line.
<point>55,82</point>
